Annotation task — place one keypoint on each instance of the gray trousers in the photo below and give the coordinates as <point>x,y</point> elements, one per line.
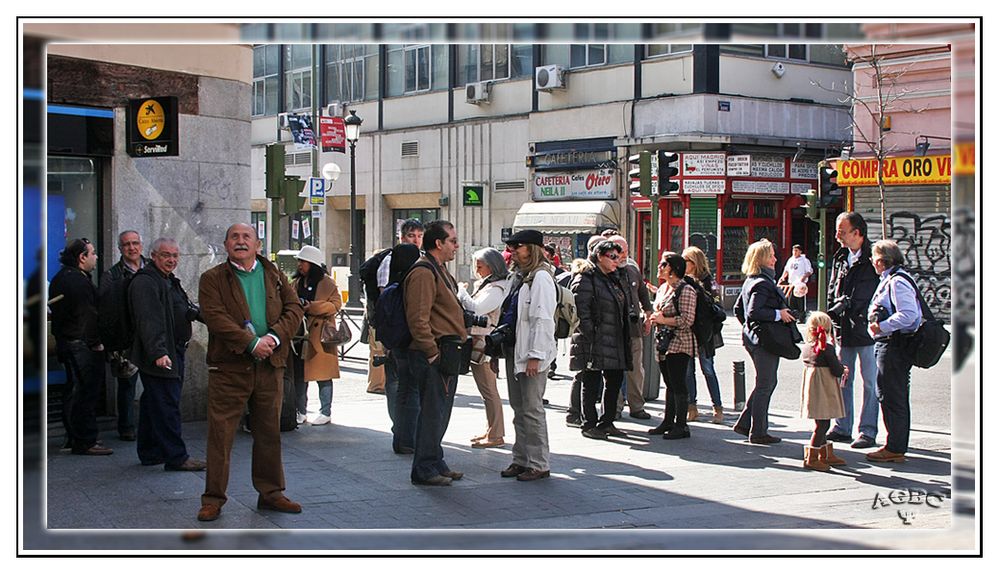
<point>754,416</point>
<point>531,435</point>
<point>635,380</point>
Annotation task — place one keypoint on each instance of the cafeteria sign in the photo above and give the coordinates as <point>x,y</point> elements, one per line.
<point>151,127</point>
<point>581,184</point>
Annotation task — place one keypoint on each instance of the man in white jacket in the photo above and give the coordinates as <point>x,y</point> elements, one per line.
<point>530,308</point>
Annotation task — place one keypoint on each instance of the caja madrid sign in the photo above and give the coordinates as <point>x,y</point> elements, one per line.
<point>895,171</point>
<point>151,127</point>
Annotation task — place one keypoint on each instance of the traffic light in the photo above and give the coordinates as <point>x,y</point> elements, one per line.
<point>811,206</point>
<point>666,171</point>
<point>640,174</point>
<point>274,170</point>
<point>292,187</point>
<point>828,190</point>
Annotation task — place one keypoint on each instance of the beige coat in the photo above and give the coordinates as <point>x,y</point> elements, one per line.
<point>319,365</point>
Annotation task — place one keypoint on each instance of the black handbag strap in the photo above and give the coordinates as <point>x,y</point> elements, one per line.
<point>924,308</point>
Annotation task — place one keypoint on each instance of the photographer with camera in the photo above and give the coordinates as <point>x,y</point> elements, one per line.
<point>527,337</point>
<point>852,283</point>
<point>600,345</point>
<point>482,310</point>
<point>674,310</point>
<point>894,312</point>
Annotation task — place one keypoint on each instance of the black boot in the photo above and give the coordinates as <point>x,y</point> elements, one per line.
<point>665,426</point>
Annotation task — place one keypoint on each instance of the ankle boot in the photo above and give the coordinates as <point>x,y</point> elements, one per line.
<point>664,426</point>
<point>826,455</point>
<point>692,412</point>
<point>812,461</point>
<point>717,417</point>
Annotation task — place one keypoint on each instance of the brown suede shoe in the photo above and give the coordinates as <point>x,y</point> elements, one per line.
<point>209,512</point>
<point>190,464</point>
<point>513,470</point>
<point>95,449</point>
<point>533,474</point>
<point>885,456</point>
<point>454,475</point>
<point>278,503</point>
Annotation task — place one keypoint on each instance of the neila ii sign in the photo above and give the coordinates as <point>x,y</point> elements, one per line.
<point>151,125</point>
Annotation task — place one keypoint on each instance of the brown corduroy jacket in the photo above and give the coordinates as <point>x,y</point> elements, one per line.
<point>432,308</point>
<point>224,309</point>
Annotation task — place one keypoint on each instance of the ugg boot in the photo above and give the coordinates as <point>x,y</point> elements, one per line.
<point>812,461</point>
<point>717,417</point>
<point>692,412</point>
<point>826,455</point>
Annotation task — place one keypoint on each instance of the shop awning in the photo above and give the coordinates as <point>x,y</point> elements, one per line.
<point>567,217</point>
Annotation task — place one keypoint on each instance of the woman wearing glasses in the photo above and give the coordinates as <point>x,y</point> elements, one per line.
<point>600,344</point>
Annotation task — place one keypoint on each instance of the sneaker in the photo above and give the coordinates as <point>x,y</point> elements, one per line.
<point>641,414</point>
<point>613,431</point>
<point>594,433</point>
<point>574,420</point>
<point>321,419</point>
<point>838,437</point>
<point>764,439</point>
<point>863,442</point>
<point>300,417</point>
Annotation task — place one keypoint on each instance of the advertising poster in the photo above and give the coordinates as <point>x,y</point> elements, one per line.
<point>332,135</point>
<point>295,229</point>
<point>302,131</point>
<point>306,232</point>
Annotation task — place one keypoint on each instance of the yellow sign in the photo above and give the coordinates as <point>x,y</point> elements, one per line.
<point>895,171</point>
<point>965,158</point>
<point>150,119</point>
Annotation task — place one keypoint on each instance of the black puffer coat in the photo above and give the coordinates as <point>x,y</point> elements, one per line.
<point>601,341</point>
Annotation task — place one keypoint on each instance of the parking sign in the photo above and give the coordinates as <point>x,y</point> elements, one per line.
<point>317,190</point>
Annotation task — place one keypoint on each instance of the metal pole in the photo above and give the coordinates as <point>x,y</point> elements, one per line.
<point>821,262</point>
<point>739,385</point>
<point>652,383</point>
<point>354,289</point>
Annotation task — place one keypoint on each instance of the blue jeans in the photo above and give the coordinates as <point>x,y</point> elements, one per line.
<point>125,399</point>
<point>402,392</point>
<point>159,435</point>
<point>297,364</point>
<point>754,416</point>
<point>437,395</point>
<point>708,370</point>
<point>869,403</point>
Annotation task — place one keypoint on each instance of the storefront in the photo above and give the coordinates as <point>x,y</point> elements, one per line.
<point>917,215</point>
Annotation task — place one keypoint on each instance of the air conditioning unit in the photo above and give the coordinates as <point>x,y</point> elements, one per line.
<point>550,77</point>
<point>283,121</point>
<point>778,69</point>
<point>477,93</point>
<point>334,110</point>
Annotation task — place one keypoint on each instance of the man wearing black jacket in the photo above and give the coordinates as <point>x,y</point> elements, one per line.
<point>73,301</point>
<point>852,284</point>
<point>162,316</point>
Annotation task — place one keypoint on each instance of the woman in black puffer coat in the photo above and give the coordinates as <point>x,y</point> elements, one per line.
<point>600,344</point>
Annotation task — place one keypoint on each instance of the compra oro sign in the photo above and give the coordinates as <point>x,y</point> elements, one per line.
<point>900,171</point>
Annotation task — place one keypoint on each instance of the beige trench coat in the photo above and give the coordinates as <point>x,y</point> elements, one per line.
<point>319,365</point>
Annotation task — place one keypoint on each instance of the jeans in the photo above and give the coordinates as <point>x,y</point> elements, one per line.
<point>531,435</point>
<point>674,369</point>
<point>708,370</point>
<point>297,365</point>
<point>754,416</point>
<point>84,375</point>
<point>437,395</point>
<point>124,401</point>
<point>404,391</point>
<point>591,381</point>
<point>869,402</point>
<point>159,435</point>
<point>894,394</point>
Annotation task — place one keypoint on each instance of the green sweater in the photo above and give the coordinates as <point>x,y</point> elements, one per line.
<point>252,283</point>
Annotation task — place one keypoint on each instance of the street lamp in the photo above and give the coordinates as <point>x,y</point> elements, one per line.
<point>352,127</point>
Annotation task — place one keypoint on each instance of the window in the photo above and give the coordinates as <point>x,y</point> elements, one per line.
<point>298,77</point>
<point>664,31</point>
<point>266,60</point>
<point>582,55</point>
<point>416,69</point>
<point>350,71</point>
<point>653,50</point>
<point>481,62</point>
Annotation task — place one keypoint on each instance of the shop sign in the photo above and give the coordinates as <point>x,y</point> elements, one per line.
<point>582,184</point>
<point>472,195</point>
<point>895,171</point>
<point>738,165</point>
<point>767,167</point>
<point>151,127</point>
<point>799,188</point>
<point>965,158</point>
<point>755,187</point>
<point>713,164</point>
<point>805,170</point>
<point>703,186</point>
<point>568,158</point>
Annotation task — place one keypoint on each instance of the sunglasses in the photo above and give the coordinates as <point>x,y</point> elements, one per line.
<point>663,265</point>
<point>514,246</point>
<point>610,255</point>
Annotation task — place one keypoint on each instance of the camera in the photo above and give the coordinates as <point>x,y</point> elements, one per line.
<point>502,335</point>
<point>839,306</point>
<point>378,360</point>
<point>633,317</point>
<point>663,338</point>
<point>193,313</point>
<point>878,315</point>
<point>473,320</point>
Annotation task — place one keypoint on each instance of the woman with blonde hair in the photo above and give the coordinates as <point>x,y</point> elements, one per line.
<point>760,301</point>
<point>822,378</point>
<point>697,269</point>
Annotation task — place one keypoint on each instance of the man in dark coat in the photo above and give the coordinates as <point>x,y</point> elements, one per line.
<point>852,283</point>
<point>251,313</point>
<point>161,316</point>
<point>73,301</point>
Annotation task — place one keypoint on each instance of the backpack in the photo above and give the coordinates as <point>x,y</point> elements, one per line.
<point>926,345</point>
<point>565,316</point>
<point>389,319</point>
<point>114,321</point>
<point>708,317</point>
<point>369,275</point>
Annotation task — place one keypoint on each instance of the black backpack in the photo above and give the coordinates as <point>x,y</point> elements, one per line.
<point>708,317</point>
<point>369,275</point>
<point>114,321</point>
<point>926,345</point>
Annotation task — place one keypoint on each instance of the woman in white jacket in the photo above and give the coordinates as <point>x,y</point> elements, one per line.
<point>488,294</point>
<point>530,307</point>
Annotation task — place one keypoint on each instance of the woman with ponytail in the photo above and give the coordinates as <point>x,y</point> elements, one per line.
<point>822,399</point>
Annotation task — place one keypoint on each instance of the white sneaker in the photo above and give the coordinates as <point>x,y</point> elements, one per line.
<point>300,418</point>
<point>321,419</point>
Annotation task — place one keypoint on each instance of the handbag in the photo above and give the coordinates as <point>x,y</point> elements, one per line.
<point>334,334</point>
<point>454,358</point>
<point>926,345</point>
<point>779,338</point>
